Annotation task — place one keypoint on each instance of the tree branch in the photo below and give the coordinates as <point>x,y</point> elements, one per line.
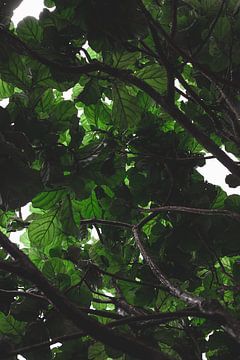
<point>210,308</point>
<point>174,17</point>
<point>38,346</point>
<point>189,210</point>
<point>26,294</point>
<point>120,224</point>
<point>79,318</point>
<point>126,76</point>
<point>156,319</point>
<point>172,289</point>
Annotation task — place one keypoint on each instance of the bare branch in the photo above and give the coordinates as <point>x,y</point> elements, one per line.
<point>120,224</point>
<point>210,308</point>
<point>189,210</point>
<point>172,289</point>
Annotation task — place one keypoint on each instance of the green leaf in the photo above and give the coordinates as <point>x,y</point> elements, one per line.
<point>219,200</point>
<point>232,202</point>
<point>90,207</point>
<point>55,266</point>
<point>125,111</point>
<point>81,296</point>
<point>47,199</point>
<point>98,115</point>
<point>16,72</point>
<point>45,103</point>
<point>124,59</point>
<point>6,90</point>
<point>45,230</point>
<point>96,352</point>
<point>49,3</point>
<point>222,29</point>
<point>30,31</point>
<point>10,326</point>
<point>91,93</point>
<point>63,113</point>
<point>67,218</point>
<point>155,76</point>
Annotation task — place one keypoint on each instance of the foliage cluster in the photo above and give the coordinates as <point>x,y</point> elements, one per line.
<point>128,253</point>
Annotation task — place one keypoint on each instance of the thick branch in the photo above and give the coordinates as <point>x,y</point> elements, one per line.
<point>174,17</point>
<point>91,327</point>
<point>126,76</point>
<point>159,318</point>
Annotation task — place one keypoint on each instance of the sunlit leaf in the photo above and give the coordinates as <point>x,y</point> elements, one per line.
<point>45,229</point>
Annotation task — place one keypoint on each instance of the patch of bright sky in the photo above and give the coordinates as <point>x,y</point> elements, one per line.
<point>4,102</point>
<point>214,172</point>
<point>27,8</point>
<point>67,95</point>
<point>20,357</point>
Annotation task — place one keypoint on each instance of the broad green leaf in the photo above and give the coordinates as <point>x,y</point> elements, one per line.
<point>55,266</point>
<point>45,230</point>
<point>10,326</point>
<point>45,103</point>
<point>47,199</point>
<point>81,296</point>
<point>98,115</point>
<point>30,31</point>
<point>67,218</point>
<point>124,59</point>
<point>222,28</point>
<point>90,207</point>
<point>125,111</point>
<point>91,93</point>
<point>96,352</point>
<point>6,90</point>
<point>16,72</point>
<point>219,200</point>
<point>63,113</point>
<point>155,76</point>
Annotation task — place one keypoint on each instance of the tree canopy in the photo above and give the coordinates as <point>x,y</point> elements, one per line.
<point>128,252</point>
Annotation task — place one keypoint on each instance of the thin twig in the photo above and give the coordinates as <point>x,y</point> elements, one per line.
<point>189,210</point>
<point>114,223</point>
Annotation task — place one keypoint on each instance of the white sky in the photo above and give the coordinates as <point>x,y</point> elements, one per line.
<point>27,8</point>
<point>214,172</point>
